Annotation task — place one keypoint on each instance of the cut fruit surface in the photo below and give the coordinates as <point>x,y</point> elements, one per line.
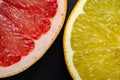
<point>45,7</point>
<point>25,20</point>
<point>27,29</point>
<point>92,40</point>
<point>13,43</point>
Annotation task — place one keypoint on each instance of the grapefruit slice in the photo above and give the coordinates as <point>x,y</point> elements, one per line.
<point>92,40</point>
<point>27,29</point>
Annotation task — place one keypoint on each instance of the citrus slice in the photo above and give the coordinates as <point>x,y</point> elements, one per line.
<point>27,29</point>
<point>92,40</point>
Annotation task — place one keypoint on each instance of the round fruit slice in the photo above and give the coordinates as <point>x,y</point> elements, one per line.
<point>27,29</point>
<point>92,40</point>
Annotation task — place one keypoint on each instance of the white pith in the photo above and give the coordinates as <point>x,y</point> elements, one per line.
<point>78,9</point>
<point>41,45</point>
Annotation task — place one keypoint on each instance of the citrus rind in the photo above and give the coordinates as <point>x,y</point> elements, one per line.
<point>41,45</point>
<point>68,52</point>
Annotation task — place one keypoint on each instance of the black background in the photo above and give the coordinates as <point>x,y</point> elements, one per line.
<point>52,65</point>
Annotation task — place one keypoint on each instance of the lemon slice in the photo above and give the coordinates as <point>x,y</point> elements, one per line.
<point>92,40</point>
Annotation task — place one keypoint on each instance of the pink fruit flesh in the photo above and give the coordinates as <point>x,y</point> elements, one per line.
<point>22,22</point>
<point>45,7</point>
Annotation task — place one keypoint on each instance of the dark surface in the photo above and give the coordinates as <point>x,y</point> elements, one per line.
<point>52,65</point>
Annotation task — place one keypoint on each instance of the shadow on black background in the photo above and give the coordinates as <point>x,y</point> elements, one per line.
<point>52,65</point>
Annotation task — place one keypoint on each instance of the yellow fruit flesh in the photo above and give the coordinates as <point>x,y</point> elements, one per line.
<point>95,39</point>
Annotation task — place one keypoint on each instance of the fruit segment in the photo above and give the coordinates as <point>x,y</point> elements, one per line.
<point>22,22</point>
<point>32,24</point>
<point>96,41</point>
<point>14,43</point>
<point>44,7</point>
<point>103,11</point>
